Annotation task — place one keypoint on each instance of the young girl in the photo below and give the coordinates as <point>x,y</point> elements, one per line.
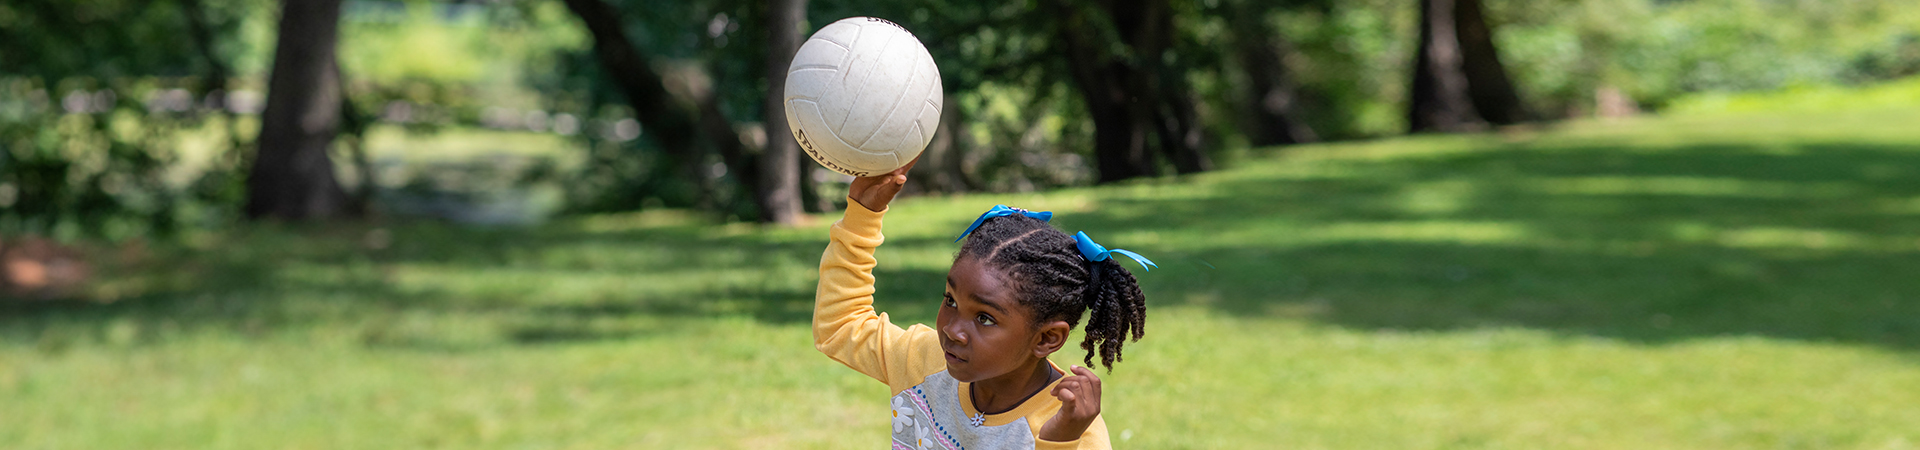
<point>1016,289</point>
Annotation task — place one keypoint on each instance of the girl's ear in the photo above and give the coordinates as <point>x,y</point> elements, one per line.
<point>1050,337</point>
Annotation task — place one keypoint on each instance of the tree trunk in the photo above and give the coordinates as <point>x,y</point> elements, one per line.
<point>1161,92</point>
<point>1492,92</point>
<point>1119,134</point>
<point>292,177</point>
<point>1119,130</point>
<point>1273,99</point>
<point>779,189</point>
<point>1181,137</point>
<point>1138,103</point>
<point>1440,101</point>
<point>810,198</point>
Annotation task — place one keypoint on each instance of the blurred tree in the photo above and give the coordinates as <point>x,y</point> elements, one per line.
<point>780,159</point>
<point>1261,52</point>
<point>1458,82</point>
<point>1131,94</point>
<point>685,123</point>
<point>669,122</point>
<point>292,176</point>
<point>1119,122</point>
<point>1489,87</point>
<point>92,98</point>
<point>941,166</point>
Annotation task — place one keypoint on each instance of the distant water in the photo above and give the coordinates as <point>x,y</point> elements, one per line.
<point>487,191</point>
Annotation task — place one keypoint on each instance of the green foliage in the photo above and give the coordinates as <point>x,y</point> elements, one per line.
<point>394,42</point>
<point>715,44</point>
<point>1656,51</point>
<point>1706,282</point>
<point>1352,64</point>
<point>89,120</point>
<point>1023,138</point>
<point>141,127</point>
<point>448,62</point>
<point>84,174</point>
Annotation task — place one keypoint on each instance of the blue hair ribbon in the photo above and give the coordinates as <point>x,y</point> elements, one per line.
<point>1096,253</point>
<point>1003,211</point>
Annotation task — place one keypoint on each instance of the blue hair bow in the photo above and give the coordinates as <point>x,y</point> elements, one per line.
<point>1003,211</point>
<point>1096,253</point>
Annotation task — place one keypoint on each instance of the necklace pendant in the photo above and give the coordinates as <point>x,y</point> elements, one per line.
<point>978,419</point>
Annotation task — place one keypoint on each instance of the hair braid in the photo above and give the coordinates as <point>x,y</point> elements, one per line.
<point>1057,283</point>
<point>1118,308</point>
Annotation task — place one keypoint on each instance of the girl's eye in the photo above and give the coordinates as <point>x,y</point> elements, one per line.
<point>986,320</point>
<point>948,301</point>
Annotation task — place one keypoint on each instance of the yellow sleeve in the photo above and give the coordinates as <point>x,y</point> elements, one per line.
<point>845,326</point>
<point>1095,438</point>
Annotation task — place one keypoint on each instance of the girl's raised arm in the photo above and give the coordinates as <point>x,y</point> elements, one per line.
<point>845,325</point>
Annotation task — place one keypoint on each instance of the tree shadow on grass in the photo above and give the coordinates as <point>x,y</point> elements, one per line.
<point>441,288</point>
<point>1814,242</point>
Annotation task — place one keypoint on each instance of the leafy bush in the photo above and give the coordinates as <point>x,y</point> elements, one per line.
<point>1657,50</point>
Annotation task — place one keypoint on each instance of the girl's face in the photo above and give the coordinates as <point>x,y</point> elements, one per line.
<point>985,332</point>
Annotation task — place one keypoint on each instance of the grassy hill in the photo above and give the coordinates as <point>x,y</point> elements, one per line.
<point>1715,281</point>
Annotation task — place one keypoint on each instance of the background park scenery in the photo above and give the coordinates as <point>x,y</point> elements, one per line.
<point>569,224</point>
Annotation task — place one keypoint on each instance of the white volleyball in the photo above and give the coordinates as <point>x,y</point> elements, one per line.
<point>863,96</point>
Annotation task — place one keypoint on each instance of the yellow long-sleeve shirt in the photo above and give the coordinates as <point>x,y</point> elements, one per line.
<point>931,410</point>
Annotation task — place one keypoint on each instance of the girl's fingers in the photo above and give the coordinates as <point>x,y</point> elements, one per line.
<point>909,166</point>
<point>1073,386</point>
<point>1079,394</point>
<point>1086,388</point>
<point>1092,381</point>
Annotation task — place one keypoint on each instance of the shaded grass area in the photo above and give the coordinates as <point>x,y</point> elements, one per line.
<point>1699,282</point>
<point>1684,241</point>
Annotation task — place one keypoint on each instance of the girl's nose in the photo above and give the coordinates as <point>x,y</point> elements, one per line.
<point>954,333</point>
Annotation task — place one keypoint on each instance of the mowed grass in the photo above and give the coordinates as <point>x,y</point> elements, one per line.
<point>1701,282</point>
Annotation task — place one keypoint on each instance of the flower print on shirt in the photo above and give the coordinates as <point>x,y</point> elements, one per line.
<point>903,416</point>
<point>924,440</point>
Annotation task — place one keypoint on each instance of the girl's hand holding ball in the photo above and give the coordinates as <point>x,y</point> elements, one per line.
<point>876,192</point>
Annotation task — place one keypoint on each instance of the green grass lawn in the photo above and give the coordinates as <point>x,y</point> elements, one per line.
<point>1729,281</point>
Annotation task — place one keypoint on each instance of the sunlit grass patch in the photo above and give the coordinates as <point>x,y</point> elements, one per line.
<point>1895,95</point>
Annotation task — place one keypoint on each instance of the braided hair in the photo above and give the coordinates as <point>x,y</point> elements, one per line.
<point>1053,280</point>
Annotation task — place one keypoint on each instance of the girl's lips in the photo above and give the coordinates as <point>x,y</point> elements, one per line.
<point>954,359</point>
